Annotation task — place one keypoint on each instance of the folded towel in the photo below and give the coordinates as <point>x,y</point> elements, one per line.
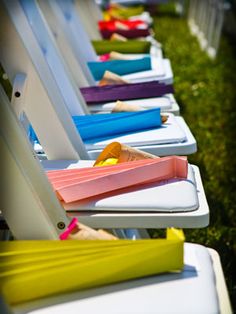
<point>123,12</point>
<point>114,25</point>
<point>120,67</point>
<point>131,33</point>
<point>101,94</point>
<point>100,126</point>
<point>130,46</point>
<point>32,270</point>
<point>75,184</point>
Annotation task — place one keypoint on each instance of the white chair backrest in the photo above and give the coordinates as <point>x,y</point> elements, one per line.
<point>73,98</point>
<point>41,99</point>
<point>70,10</point>
<point>71,38</point>
<point>94,9</point>
<point>86,12</point>
<point>28,202</point>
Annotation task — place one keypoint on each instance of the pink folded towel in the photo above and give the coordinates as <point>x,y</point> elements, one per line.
<point>72,185</point>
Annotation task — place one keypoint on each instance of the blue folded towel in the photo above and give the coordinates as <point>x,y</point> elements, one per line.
<point>120,67</point>
<point>107,125</point>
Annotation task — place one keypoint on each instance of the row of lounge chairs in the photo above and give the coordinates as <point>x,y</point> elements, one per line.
<point>60,120</point>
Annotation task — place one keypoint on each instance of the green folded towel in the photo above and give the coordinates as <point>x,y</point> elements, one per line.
<point>130,46</point>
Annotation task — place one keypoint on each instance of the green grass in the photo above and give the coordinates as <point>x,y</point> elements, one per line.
<point>206,93</point>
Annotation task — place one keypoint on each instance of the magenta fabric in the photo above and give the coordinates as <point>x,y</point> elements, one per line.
<point>131,33</point>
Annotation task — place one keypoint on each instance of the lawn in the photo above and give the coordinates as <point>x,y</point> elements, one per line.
<point>206,93</point>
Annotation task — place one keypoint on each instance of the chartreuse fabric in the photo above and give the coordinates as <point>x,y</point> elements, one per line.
<point>120,67</point>
<point>129,46</point>
<point>31,270</point>
<point>124,12</point>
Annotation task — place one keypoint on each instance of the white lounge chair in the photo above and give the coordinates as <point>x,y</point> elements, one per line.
<point>175,138</point>
<point>34,96</point>
<point>70,23</point>
<point>69,34</point>
<point>33,212</point>
<point>199,288</point>
<point>60,140</point>
<point>90,9</point>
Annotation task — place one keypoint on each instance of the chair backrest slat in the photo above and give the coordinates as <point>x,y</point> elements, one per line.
<point>84,10</point>
<point>72,40</point>
<point>43,103</point>
<point>28,202</point>
<point>71,93</point>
